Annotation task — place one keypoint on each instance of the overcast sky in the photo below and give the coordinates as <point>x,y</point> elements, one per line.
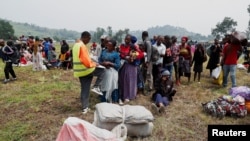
<point>198,16</point>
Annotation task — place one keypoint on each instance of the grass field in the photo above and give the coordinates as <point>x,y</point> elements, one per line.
<point>34,107</point>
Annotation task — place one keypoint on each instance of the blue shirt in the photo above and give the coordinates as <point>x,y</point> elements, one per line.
<point>111,57</point>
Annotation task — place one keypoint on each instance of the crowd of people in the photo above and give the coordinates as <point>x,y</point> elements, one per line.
<point>127,70</point>
<point>152,67</point>
<point>40,53</point>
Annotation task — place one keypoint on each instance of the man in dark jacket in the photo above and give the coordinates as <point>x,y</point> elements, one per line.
<point>8,69</point>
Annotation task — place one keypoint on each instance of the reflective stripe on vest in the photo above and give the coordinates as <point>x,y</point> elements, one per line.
<point>79,68</point>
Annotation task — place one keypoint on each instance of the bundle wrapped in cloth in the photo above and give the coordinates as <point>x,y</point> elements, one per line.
<point>137,119</point>
<point>76,129</point>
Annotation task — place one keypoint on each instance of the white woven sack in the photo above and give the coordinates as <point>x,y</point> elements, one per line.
<point>136,114</point>
<point>108,112</point>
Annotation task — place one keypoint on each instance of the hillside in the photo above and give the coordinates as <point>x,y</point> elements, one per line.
<point>58,34</point>
<point>172,30</point>
<point>31,29</point>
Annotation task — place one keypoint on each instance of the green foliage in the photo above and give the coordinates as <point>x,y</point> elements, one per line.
<point>59,34</point>
<point>248,28</point>
<point>227,25</point>
<point>109,30</point>
<point>6,30</point>
<point>118,36</point>
<point>31,29</point>
<point>96,35</point>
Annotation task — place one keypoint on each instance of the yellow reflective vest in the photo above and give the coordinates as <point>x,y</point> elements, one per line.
<point>79,68</point>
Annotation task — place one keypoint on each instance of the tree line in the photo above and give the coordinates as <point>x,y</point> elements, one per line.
<point>11,30</point>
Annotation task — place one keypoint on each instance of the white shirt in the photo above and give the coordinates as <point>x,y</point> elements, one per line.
<point>162,50</point>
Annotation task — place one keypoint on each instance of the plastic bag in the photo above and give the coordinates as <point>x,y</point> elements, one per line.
<point>216,72</point>
<point>219,80</point>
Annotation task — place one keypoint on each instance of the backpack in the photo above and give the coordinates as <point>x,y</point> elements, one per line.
<point>15,57</point>
<point>155,55</point>
<point>1,53</point>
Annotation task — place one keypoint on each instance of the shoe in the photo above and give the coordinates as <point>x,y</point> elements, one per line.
<point>97,90</point>
<point>120,102</point>
<point>85,110</point>
<point>170,98</point>
<point>126,100</point>
<point>148,92</point>
<point>162,109</point>
<point>14,79</point>
<point>177,83</point>
<point>154,109</point>
<point>6,81</point>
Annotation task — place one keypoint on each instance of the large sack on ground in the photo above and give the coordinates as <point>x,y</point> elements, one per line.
<point>109,112</point>
<point>137,119</point>
<point>243,91</point>
<point>137,114</point>
<point>75,129</point>
<point>134,130</point>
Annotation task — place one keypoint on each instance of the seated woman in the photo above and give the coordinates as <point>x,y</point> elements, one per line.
<point>63,60</point>
<point>164,92</point>
<point>110,59</point>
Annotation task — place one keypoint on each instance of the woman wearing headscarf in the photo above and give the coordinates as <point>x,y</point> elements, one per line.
<point>128,71</point>
<point>110,59</point>
<point>185,59</point>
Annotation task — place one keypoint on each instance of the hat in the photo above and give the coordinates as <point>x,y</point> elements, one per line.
<point>239,35</point>
<point>133,39</point>
<point>185,38</point>
<point>165,73</point>
<point>103,36</point>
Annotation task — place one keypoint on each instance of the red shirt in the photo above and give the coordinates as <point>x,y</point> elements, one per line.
<point>231,55</point>
<point>124,50</point>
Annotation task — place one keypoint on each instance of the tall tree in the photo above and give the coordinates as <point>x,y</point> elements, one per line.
<point>99,32</point>
<point>126,30</point>
<point>248,28</point>
<point>118,36</point>
<point>6,30</point>
<point>109,30</point>
<point>227,25</point>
